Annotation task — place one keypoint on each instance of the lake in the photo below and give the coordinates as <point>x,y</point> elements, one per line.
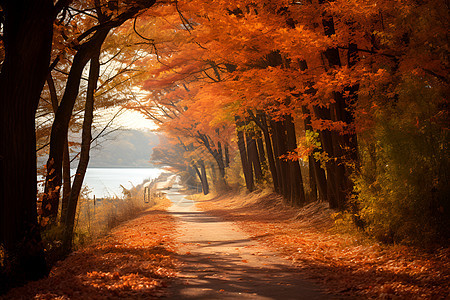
<point>105,182</point>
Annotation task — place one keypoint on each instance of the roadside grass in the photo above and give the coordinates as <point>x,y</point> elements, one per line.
<point>134,260</point>
<point>339,257</point>
<point>95,217</point>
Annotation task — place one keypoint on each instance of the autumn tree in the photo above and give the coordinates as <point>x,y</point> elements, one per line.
<point>87,44</point>
<point>323,73</point>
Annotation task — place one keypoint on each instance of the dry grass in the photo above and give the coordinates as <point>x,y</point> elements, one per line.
<point>133,261</point>
<point>96,218</point>
<point>343,263</point>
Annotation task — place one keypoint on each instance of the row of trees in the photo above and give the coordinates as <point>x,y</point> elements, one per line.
<point>337,101</point>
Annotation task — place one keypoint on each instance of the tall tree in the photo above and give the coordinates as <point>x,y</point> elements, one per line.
<point>69,222</point>
<point>95,37</point>
<point>27,38</point>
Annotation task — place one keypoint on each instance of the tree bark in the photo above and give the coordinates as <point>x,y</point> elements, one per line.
<point>260,147</point>
<point>217,155</point>
<point>94,72</point>
<point>66,158</point>
<point>67,185</point>
<point>326,139</point>
<point>61,123</point>
<point>343,145</point>
<point>318,180</point>
<point>269,150</point>
<point>227,156</point>
<point>279,143</point>
<point>27,37</point>
<point>253,156</point>
<point>204,178</point>
<point>197,171</point>
<point>246,167</point>
<point>297,195</point>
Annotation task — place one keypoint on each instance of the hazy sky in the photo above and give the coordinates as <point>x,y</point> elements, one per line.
<point>124,148</point>
<point>127,118</point>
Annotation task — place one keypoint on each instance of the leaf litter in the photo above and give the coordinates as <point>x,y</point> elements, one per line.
<point>343,263</point>
<point>134,261</point>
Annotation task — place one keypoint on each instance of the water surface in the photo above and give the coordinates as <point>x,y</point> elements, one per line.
<point>105,182</point>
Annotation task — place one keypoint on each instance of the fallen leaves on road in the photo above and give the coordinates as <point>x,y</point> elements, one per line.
<point>134,261</point>
<point>340,262</point>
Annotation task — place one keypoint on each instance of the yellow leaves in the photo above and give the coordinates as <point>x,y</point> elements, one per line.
<point>45,221</point>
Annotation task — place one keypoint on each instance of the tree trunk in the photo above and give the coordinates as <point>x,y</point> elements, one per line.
<point>227,156</point>
<point>276,153</point>
<point>246,167</point>
<point>318,180</point>
<point>253,156</point>
<point>220,154</point>
<point>60,125</point>
<point>260,146</point>
<point>269,150</point>
<point>217,155</point>
<point>194,166</point>
<point>297,195</point>
<point>94,72</point>
<point>326,139</point>
<point>66,158</point>
<point>204,178</point>
<point>279,141</point>
<point>312,180</point>
<point>27,37</point>
<point>67,185</point>
<point>344,146</point>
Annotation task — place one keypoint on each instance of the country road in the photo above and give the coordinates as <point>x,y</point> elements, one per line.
<point>222,262</point>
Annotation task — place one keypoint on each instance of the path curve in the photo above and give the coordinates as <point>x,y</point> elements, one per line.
<point>222,262</point>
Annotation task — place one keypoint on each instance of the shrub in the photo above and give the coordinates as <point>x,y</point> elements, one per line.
<point>403,184</point>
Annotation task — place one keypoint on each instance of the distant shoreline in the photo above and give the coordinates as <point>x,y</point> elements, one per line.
<point>121,167</point>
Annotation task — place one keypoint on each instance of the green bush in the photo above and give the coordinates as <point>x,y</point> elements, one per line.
<point>403,184</point>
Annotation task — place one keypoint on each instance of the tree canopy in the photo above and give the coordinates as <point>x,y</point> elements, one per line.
<point>337,101</point>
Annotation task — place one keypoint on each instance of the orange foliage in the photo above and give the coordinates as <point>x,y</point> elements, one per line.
<point>344,265</point>
<point>135,260</point>
<point>197,42</point>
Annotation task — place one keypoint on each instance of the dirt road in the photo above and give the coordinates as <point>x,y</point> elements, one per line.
<point>222,262</point>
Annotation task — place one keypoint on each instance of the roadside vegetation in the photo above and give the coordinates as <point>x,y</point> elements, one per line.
<point>335,254</point>
<point>97,217</point>
<point>127,252</point>
<point>343,103</point>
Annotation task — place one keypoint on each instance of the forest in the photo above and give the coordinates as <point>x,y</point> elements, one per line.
<point>338,102</point>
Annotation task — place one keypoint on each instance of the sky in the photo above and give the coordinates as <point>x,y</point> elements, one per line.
<point>131,146</point>
<point>126,119</point>
<point>124,148</point>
